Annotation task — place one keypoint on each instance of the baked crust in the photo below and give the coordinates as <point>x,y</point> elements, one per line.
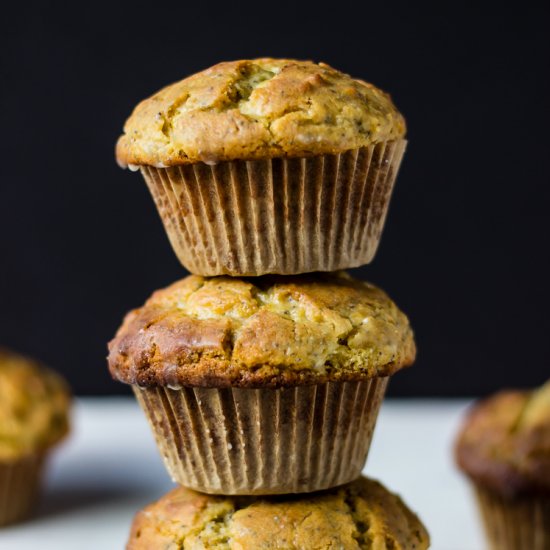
<point>34,403</point>
<point>362,514</point>
<point>252,109</point>
<point>504,444</point>
<point>262,332</point>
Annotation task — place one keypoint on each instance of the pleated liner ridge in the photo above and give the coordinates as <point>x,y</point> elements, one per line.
<point>19,487</point>
<point>515,524</point>
<point>285,216</point>
<point>237,441</point>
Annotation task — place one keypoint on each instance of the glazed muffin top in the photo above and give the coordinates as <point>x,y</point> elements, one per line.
<point>262,332</point>
<point>34,403</point>
<point>504,444</point>
<point>254,109</point>
<point>361,515</point>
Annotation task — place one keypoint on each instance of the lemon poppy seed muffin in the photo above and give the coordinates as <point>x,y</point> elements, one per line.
<point>262,332</point>
<point>268,166</point>
<point>257,109</point>
<point>34,403</point>
<point>265,385</point>
<point>361,515</point>
<point>504,448</point>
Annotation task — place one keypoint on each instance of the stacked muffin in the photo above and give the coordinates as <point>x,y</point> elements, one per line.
<point>259,374</point>
<point>361,515</point>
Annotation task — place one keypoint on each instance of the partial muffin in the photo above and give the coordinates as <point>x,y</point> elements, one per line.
<point>504,448</point>
<point>268,166</point>
<point>361,515</point>
<point>34,403</point>
<point>266,385</point>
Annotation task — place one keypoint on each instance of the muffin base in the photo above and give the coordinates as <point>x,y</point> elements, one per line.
<point>286,216</point>
<point>19,487</point>
<point>236,441</point>
<point>517,523</point>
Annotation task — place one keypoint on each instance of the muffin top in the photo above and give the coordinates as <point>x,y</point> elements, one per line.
<point>34,403</point>
<point>504,444</point>
<point>254,109</point>
<point>361,515</point>
<point>263,331</point>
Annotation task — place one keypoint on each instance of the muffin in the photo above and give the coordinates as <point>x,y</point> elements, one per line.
<point>34,403</point>
<point>265,385</point>
<point>362,514</point>
<point>268,166</point>
<point>504,448</point>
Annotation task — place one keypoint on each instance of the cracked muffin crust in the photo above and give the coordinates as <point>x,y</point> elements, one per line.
<point>504,445</point>
<point>252,109</point>
<point>360,516</point>
<point>34,403</point>
<point>262,332</point>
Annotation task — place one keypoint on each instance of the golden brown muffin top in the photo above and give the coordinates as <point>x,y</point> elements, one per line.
<point>254,109</point>
<point>263,331</point>
<point>361,516</point>
<point>504,444</point>
<point>34,403</point>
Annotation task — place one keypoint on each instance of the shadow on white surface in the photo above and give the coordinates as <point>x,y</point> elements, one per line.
<point>64,502</point>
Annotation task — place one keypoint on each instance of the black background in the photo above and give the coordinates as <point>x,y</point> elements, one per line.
<point>465,251</point>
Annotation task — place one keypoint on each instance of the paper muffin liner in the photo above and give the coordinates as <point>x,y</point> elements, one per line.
<point>515,524</point>
<point>238,441</point>
<point>19,487</point>
<point>286,216</point>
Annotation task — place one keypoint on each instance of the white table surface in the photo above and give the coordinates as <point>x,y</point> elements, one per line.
<point>109,468</point>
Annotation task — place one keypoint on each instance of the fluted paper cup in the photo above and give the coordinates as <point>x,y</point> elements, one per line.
<point>286,216</point>
<point>19,488</point>
<point>519,523</point>
<point>238,441</point>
